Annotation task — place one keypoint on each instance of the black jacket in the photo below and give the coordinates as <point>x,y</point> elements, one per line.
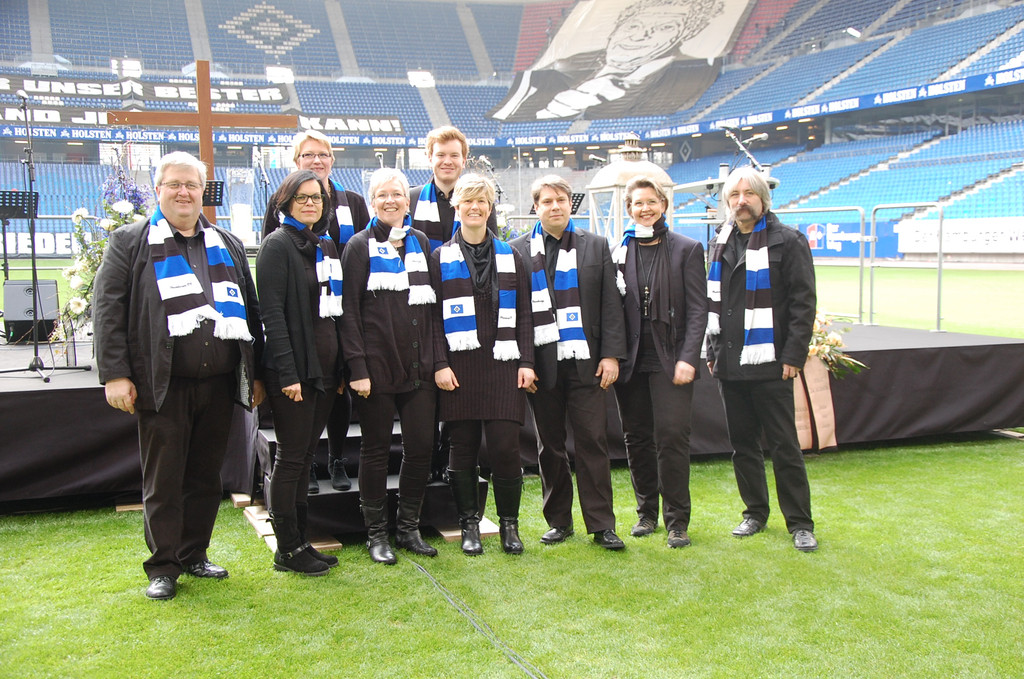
<point>794,302</point>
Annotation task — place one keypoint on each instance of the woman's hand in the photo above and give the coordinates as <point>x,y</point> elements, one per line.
<point>361,387</point>
<point>445,379</point>
<point>293,391</point>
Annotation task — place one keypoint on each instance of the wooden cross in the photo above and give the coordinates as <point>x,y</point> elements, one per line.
<point>205,119</point>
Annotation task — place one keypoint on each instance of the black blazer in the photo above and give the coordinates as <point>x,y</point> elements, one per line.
<point>688,305</point>
<point>600,305</point>
<point>794,302</point>
<point>130,323</point>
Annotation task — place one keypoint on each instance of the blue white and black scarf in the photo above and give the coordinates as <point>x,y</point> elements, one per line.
<point>185,302</point>
<point>427,213</point>
<point>458,305</point>
<point>557,318</point>
<point>346,229</point>
<point>388,271</point>
<point>328,267</point>
<point>758,320</point>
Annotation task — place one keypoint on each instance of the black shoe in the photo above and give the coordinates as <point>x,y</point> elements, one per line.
<point>299,561</point>
<point>206,569</point>
<point>609,540</point>
<point>556,534</point>
<point>162,587</point>
<point>678,538</point>
<point>331,561</point>
<point>314,485</point>
<point>339,477</point>
<point>509,531</point>
<point>645,526</point>
<point>804,540</point>
<point>747,528</point>
<point>413,542</point>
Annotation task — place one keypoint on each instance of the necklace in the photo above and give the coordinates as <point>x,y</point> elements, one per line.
<point>645,297</point>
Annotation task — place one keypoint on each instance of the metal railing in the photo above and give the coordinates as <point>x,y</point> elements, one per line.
<point>938,290</point>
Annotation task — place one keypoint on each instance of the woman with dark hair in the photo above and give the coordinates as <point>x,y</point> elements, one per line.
<point>483,360</point>
<point>299,278</point>
<point>661,279</point>
<point>388,345</point>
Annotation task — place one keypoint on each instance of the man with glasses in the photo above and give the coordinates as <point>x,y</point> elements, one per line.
<point>178,343</point>
<point>311,150</point>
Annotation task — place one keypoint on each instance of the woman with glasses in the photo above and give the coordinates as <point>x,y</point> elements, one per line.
<point>483,360</point>
<point>311,150</point>
<point>299,278</point>
<point>662,282</point>
<point>388,349</point>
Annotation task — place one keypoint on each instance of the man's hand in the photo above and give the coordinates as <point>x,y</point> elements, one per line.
<point>121,394</point>
<point>361,387</point>
<point>608,371</point>
<point>685,373</point>
<point>789,372</point>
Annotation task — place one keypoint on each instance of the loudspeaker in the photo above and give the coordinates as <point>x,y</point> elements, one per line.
<point>19,310</point>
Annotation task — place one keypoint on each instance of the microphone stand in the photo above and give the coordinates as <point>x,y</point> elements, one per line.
<point>36,364</point>
<point>264,180</point>
<point>750,157</point>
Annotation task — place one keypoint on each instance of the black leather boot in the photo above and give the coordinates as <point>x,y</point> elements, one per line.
<point>407,535</point>
<point>375,516</point>
<point>507,496</point>
<point>464,489</point>
<point>292,551</point>
<point>301,513</point>
<point>314,485</point>
<point>339,477</point>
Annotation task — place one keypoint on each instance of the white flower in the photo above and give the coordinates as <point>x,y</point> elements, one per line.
<point>123,207</point>
<point>75,282</point>
<point>107,224</point>
<point>138,216</point>
<point>77,305</point>
<point>77,215</point>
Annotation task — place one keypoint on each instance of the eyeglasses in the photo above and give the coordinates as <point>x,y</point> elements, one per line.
<point>311,156</point>
<point>302,198</point>
<point>176,186</point>
<point>396,196</point>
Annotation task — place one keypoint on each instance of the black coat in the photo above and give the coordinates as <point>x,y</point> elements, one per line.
<point>600,306</point>
<point>794,302</point>
<point>688,305</point>
<point>130,322</point>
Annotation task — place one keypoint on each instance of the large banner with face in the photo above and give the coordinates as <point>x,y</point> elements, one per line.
<point>614,58</point>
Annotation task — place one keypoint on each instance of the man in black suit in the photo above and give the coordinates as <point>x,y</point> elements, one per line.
<point>580,337</point>
<point>178,342</point>
<point>762,301</point>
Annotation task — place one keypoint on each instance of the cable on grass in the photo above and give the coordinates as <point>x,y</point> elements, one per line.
<point>483,628</point>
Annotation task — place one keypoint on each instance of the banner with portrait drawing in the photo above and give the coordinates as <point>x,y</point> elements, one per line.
<point>615,58</point>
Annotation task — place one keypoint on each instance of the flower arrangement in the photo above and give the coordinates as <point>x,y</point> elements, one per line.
<point>124,201</point>
<point>827,344</point>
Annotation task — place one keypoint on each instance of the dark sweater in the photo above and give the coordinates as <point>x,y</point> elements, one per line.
<point>488,389</point>
<point>383,337</point>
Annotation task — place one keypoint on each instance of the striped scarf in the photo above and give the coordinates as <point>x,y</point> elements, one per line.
<point>458,306</point>
<point>346,229</point>
<point>185,302</point>
<point>561,321</point>
<point>426,211</point>
<point>632,231</point>
<point>328,267</point>
<point>388,271</point>
<point>758,320</point>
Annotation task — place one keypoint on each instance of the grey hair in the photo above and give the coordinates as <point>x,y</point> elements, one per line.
<point>179,159</point>
<point>385,175</point>
<point>755,180</point>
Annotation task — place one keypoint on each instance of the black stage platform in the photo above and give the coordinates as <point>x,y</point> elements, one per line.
<point>60,439</point>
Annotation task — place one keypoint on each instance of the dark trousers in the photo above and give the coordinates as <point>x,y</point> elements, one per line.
<point>753,408</point>
<point>376,419</point>
<point>585,406</point>
<point>182,449</point>
<point>655,418</point>
<point>502,446</point>
<point>338,423</point>
<point>298,426</point>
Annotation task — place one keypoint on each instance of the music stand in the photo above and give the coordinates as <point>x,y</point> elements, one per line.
<point>32,205</point>
<point>15,205</point>
<point>576,200</point>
